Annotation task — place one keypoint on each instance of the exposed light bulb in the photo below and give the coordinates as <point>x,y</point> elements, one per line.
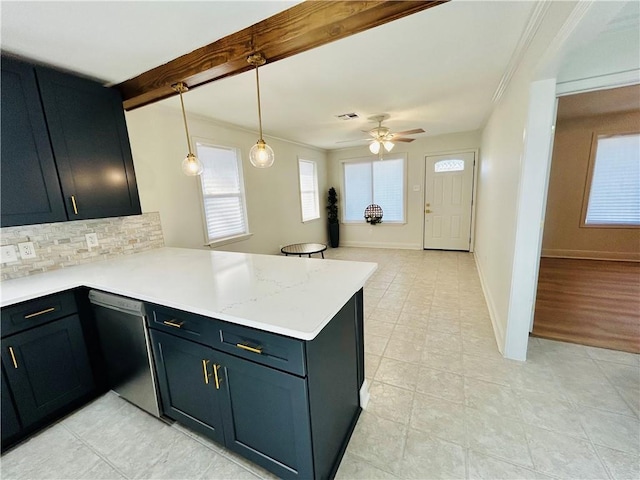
<point>374,147</point>
<point>261,155</point>
<point>388,145</point>
<point>191,166</point>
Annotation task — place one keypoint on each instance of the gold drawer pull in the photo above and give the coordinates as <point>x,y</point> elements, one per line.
<point>41,312</point>
<point>206,374</point>
<point>174,323</point>
<point>215,376</point>
<point>13,357</point>
<point>248,348</point>
<point>73,202</point>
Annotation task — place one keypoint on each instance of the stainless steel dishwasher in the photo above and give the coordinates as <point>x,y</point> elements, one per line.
<point>124,340</point>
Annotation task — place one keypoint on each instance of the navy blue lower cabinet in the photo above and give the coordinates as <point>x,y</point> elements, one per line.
<point>187,383</point>
<point>47,368</point>
<point>286,404</point>
<point>266,417</point>
<point>10,423</point>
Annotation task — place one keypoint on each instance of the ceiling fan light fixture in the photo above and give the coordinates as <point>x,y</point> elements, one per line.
<point>191,166</point>
<point>374,147</point>
<point>261,155</point>
<point>388,145</point>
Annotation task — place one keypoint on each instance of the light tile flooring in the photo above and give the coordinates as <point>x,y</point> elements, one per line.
<point>444,403</point>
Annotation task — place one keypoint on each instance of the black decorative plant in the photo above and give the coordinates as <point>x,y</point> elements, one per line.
<point>332,215</point>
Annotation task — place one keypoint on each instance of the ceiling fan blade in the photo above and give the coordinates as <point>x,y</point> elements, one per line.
<point>406,140</point>
<point>410,132</point>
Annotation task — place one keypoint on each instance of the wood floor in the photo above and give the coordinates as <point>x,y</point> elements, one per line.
<point>591,302</point>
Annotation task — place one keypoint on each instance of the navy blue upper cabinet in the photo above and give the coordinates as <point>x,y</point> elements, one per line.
<point>90,144</point>
<point>65,148</point>
<point>30,187</point>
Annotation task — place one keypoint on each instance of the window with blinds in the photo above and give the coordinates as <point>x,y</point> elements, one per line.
<point>380,182</point>
<point>309,190</point>
<point>614,193</point>
<point>222,192</point>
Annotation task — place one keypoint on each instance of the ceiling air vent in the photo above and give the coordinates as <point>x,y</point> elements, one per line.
<point>347,116</point>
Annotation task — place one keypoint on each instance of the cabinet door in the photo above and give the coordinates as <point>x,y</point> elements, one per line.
<point>91,146</point>
<point>30,189</point>
<point>10,422</point>
<point>47,368</point>
<point>187,386</point>
<point>266,417</point>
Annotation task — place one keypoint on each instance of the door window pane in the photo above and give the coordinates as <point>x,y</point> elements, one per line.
<point>449,166</point>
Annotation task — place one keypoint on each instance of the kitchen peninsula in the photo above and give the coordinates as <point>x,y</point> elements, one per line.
<point>277,344</point>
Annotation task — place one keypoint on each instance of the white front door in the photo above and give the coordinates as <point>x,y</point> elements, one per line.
<point>448,191</point>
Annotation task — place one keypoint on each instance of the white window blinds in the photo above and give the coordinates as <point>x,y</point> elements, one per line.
<point>378,182</point>
<point>309,190</point>
<point>614,196</point>
<point>222,192</point>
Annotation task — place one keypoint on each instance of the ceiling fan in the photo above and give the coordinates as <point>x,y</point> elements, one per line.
<point>382,137</point>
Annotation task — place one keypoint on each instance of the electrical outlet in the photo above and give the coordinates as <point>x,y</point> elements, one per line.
<point>27,250</point>
<point>92,240</point>
<point>8,254</point>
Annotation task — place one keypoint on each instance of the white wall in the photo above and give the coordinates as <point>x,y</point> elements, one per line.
<point>408,235</point>
<point>514,162</point>
<point>158,144</point>
<point>499,182</point>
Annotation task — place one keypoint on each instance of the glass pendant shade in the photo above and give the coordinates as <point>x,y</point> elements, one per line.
<point>374,147</point>
<point>261,155</point>
<point>388,146</point>
<point>191,166</point>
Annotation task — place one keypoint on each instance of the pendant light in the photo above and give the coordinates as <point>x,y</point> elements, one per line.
<point>261,155</point>
<point>191,166</point>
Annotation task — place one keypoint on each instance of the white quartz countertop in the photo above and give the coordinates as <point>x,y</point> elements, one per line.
<point>291,296</point>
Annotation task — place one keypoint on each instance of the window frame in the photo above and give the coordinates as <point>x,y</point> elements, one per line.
<point>317,191</point>
<point>595,136</point>
<point>373,159</point>
<point>196,141</point>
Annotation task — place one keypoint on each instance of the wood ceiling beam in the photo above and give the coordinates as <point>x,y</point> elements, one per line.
<point>300,28</point>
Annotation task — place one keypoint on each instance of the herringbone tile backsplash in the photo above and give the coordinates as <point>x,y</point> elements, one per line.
<point>60,245</point>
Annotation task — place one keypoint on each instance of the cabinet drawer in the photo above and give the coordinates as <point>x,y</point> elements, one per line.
<point>183,324</point>
<point>276,351</point>
<point>23,316</point>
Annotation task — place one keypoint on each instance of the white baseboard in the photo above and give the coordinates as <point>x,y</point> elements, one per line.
<point>498,332</point>
<point>364,394</point>
<point>591,255</point>
<point>402,246</point>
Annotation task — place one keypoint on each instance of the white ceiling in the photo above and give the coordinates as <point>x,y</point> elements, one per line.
<point>436,70</point>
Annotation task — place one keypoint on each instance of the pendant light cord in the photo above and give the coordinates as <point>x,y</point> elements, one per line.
<point>180,88</point>
<point>259,109</point>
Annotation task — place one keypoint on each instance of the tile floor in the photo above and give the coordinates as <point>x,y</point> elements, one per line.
<point>444,403</point>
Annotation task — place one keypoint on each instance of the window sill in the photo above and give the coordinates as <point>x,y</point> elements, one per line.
<point>227,241</point>
<point>365,224</point>
<point>311,220</point>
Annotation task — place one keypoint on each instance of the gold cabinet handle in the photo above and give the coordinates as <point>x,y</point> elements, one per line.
<point>41,312</point>
<point>248,348</point>
<point>73,203</point>
<point>427,211</point>
<point>206,373</point>
<point>13,357</point>
<point>174,323</point>
<point>216,378</point>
